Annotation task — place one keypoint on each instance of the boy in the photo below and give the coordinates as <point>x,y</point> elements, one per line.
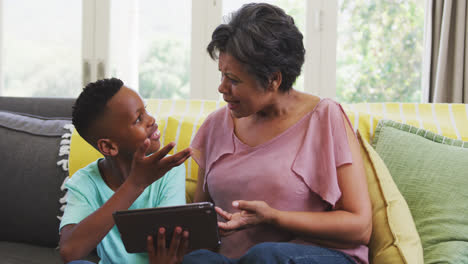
<point>113,119</point>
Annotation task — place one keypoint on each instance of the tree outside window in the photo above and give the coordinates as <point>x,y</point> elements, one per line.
<point>379,50</point>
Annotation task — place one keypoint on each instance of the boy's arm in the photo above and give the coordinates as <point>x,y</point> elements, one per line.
<point>78,240</point>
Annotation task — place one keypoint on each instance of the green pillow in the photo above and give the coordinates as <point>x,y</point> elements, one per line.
<point>431,172</point>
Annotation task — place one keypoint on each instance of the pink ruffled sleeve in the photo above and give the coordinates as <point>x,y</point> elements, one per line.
<point>213,139</point>
<point>325,148</point>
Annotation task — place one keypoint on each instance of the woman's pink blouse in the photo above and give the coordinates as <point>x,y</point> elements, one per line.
<point>295,171</point>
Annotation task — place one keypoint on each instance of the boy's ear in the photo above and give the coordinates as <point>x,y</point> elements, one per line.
<point>107,147</point>
<point>275,81</point>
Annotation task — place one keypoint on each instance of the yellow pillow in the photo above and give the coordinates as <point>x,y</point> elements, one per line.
<point>178,121</point>
<point>81,153</point>
<point>449,120</point>
<point>394,236</point>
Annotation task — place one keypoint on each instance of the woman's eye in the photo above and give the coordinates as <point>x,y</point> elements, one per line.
<point>232,81</point>
<point>138,120</point>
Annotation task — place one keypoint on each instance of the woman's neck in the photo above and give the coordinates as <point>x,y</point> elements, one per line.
<point>280,105</point>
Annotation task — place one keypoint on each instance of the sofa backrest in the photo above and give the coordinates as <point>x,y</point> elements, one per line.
<point>31,148</point>
<point>449,120</point>
<point>40,106</point>
<point>179,120</point>
<point>31,171</point>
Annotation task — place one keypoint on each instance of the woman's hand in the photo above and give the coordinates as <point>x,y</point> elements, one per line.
<point>251,213</point>
<point>172,255</point>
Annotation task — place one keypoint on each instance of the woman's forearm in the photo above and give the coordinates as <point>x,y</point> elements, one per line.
<point>339,229</point>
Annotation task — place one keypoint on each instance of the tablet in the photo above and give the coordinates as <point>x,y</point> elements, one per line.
<point>198,218</point>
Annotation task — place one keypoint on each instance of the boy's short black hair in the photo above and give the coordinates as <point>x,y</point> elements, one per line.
<point>91,103</point>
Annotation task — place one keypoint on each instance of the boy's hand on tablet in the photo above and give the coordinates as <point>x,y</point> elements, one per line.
<point>147,169</point>
<point>174,254</point>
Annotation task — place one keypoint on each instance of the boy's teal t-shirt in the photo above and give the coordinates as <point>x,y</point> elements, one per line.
<point>87,192</point>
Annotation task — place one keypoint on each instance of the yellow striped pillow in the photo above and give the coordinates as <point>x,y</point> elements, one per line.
<point>450,120</point>
<point>180,119</point>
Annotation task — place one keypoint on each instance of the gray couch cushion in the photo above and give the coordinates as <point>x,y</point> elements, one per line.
<point>30,178</point>
<point>45,106</point>
<point>18,253</point>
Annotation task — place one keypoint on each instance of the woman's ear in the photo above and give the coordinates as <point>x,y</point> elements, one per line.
<point>107,147</point>
<point>275,81</point>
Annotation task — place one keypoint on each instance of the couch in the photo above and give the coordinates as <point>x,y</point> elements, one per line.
<point>32,171</point>
<point>34,196</point>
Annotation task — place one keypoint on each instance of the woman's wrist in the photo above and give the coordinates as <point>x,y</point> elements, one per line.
<point>273,217</point>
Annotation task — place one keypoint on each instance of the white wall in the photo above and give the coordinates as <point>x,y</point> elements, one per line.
<point>204,77</point>
<point>320,45</point>
<point>125,25</point>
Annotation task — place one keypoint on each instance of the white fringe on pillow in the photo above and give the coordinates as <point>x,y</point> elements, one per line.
<point>64,152</point>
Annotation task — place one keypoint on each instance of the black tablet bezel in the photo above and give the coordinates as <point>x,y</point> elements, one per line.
<point>198,218</point>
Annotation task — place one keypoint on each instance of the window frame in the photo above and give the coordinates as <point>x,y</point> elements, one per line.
<point>319,69</point>
<point>320,43</point>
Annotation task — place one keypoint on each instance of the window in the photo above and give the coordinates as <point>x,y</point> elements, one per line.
<point>379,50</point>
<point>41,48</point>
<point>152,42</point>
<point>356,50</point>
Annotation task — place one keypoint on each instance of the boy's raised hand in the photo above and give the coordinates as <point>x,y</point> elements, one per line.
<point>147,169</point>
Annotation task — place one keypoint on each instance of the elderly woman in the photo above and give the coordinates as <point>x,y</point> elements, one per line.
<point>282,166</point>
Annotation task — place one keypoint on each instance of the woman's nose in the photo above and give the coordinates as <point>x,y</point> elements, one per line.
<point>222,86</point>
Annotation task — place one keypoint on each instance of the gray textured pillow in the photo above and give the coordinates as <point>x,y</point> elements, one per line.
<point>30,178</point>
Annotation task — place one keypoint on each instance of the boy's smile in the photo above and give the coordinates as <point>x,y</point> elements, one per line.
<point>155,134</point>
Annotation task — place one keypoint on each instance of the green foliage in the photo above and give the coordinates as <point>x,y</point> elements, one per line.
<point>165,70</point>
<point>296,9</point>
<point>379,50</point>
